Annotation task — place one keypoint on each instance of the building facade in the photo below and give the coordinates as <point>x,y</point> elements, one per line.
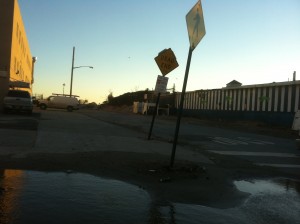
<point>274,103</point>
<point>16,61</point>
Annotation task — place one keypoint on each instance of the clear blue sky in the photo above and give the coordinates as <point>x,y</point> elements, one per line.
<point>253,42</point>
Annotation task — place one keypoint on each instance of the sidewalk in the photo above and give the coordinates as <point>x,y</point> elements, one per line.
<point>17,133</point>
<point>96,135</point>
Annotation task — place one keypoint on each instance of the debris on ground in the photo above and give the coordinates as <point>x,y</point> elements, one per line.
<point>166,179</point>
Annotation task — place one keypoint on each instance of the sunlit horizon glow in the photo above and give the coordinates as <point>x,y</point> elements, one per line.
<point>253,42</point>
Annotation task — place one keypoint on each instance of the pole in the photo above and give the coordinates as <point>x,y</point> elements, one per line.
<point>72,69</point>
<point>154,115</point>
<point>181,106</point>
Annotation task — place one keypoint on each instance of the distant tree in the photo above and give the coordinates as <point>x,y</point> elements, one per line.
<point>110,97</point>
<point>91,105</point>
<point>82,102</point>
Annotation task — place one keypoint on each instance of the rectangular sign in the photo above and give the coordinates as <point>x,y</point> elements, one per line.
<point>161,84</point>
<point>296,122</point>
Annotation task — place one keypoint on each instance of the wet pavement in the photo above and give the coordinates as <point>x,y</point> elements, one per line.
<point>67,197</point>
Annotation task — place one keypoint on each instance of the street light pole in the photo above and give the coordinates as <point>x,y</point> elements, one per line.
<point>72,70</point>
<point>64,89</point>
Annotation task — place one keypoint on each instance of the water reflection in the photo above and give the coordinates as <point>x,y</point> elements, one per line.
<point>157,215</point>
<point>38,197</point>
<point>290,184</point>
<point>271,201</point>
<point>10,188</point>
<point>271,186</point>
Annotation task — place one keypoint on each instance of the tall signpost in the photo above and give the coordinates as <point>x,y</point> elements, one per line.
<point>166,61</point>
<point>196,31</point>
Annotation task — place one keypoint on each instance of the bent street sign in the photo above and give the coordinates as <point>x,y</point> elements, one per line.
<point>166,61</point>
<point>195,25</point>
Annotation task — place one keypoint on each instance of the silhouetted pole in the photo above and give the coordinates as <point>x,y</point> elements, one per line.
<point>72,69</point>
<point>154,115</point>
<point>181,106</point>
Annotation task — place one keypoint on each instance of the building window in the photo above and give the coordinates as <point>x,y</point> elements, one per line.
<point>15,65</point>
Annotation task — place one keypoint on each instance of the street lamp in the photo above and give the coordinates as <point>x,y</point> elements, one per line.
<point>72,70</point>
<point>64,89</point>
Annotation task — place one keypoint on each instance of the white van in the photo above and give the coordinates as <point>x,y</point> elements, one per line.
<point>60,102</point>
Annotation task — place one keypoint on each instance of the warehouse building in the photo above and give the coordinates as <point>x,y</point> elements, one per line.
<point>16,61</point>
<point>274,103</point>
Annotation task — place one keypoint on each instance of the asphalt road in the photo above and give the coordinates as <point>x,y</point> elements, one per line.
<point>263,149</point>
<point>213,140</point>
<point>58,131</point>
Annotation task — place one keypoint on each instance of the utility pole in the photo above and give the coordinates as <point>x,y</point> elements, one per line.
<point>72,69</point>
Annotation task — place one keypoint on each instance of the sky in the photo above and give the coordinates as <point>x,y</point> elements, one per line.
<point>253,42</point>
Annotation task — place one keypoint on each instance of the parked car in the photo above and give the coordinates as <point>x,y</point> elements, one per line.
<point>35,101</point>
<point>18,100</point>
<point>60,102</point>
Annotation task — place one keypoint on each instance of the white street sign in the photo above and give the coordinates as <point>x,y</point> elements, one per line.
<point>195,24</point>
<point>161,84</point>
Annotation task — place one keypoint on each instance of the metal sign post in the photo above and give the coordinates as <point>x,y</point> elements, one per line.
<point>181,106</point>
<point>166,62</point>
<point>196,31</point>
<point>160,87</point>
<point>153,117</point>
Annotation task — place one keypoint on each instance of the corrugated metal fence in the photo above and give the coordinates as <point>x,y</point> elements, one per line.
<point>268,99</point>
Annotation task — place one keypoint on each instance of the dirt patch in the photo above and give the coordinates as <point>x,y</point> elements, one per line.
<point>118,109</point>
<point>249,126</point>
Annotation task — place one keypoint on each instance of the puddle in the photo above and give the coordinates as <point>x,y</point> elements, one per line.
<point>57,197</point>
<point>274,186</point>
<point>39,197</point>
<point>270,201</point>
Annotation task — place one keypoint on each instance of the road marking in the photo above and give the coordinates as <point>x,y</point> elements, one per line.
<point>266,154</point>
<point>227,141</point>
<point>254,141</point>
<point>279,165</point>
<point>239,141</point>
